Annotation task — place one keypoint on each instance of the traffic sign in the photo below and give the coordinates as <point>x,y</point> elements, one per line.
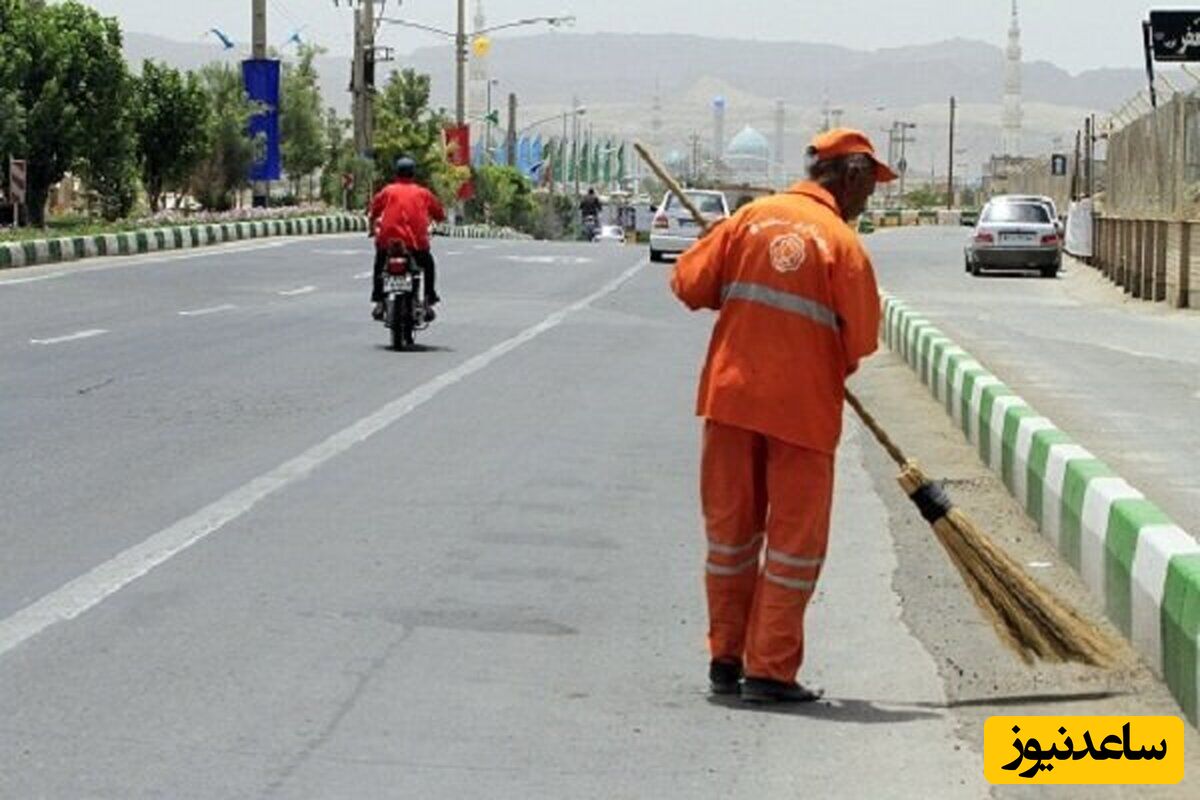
<point>17,181</point>
<point>1175,35</point>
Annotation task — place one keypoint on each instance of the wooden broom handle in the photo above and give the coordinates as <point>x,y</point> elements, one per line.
<point>674,188</point>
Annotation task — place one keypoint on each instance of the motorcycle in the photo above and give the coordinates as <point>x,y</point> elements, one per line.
<point>591,226</point>
<point>404,309</point>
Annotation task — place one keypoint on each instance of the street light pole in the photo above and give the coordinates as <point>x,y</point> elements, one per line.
<point>460,46</point>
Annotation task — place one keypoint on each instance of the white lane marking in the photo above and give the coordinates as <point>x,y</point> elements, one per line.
<point>106,263</point>
<point>548,259</point>
<point>93,587</point>
<point>74,337</point>
<point>34,279</point>
<point>295,292</point>
<point>362,276</point>
<point>454,252</point>
<point>203,312</point>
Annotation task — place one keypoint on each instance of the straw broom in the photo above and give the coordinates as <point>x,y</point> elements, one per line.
<point>1028,619</point>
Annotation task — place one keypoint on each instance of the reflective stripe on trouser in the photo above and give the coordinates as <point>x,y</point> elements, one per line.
<point>756,604</point>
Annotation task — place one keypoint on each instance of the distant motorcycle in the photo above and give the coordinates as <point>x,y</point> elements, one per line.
<point>404,309</point>
<point>591,227</point>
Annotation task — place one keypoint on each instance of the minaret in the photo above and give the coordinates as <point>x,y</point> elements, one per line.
<point>656,119</point>
<point>777,155</point>
<point>1011,141</point>
<point>718,143</point>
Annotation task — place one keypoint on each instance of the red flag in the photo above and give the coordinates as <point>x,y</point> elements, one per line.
<point>458,150</point>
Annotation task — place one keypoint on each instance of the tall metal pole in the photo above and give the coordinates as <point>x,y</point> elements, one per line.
<point>261,190</point>
<point>512,129</point>
<point>259,27</point>
<point>950,180</point>
<point>460,46</point>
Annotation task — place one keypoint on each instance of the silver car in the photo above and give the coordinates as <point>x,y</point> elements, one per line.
<point>674,231</point>
<point>1015,235</point>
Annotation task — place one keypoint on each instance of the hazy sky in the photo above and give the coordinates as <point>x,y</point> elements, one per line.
<point>1075,34</point>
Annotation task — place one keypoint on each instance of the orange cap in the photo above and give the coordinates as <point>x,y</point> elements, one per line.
<point>841,142</point>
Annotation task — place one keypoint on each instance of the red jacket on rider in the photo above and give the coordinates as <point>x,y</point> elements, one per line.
<point>404,210</point>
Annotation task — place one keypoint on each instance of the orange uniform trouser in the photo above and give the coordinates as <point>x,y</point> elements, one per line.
<point>758,494</point>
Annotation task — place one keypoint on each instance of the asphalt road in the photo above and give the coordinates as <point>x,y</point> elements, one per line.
<point>250,552</point>
<point>1121,376</point>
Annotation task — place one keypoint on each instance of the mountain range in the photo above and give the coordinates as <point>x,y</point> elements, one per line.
<point>618,75</point>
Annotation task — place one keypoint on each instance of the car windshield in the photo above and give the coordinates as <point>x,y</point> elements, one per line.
<point>707,203</point>
<point>1016,212</point>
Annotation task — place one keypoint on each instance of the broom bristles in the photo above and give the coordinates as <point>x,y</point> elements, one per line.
<point>1029,619</point>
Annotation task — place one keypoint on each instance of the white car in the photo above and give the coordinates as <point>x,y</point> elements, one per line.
<point>674,230</point>
<point>1015,235</point>
<point>611,234</point>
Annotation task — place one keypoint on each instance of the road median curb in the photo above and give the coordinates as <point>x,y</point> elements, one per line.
<point>1144,567</point>
<point>184,237</point>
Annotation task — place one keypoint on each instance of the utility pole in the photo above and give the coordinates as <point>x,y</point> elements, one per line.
<point>460,75</point>
<point>260,191</point>
<point>950,180</point>
<point>511,139</point>
<point>902,128</point>
<point>363,86</point>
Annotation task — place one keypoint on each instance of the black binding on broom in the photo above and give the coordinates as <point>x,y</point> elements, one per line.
<point>932,501</point>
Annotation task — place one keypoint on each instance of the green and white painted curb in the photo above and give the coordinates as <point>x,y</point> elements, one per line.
<point>1144,567</point>
<point>480,232</point>
<point>53,251</point>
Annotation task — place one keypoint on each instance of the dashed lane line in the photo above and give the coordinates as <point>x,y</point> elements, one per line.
<point>73,337</point>
<point>204,312</point>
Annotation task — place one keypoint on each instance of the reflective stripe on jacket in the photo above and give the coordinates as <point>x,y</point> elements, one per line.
<point>799,308</point>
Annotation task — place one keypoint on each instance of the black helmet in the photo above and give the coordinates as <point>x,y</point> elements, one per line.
<point>406,167</point>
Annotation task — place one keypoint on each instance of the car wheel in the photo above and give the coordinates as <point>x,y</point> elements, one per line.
<point>1050,271</point>
<point>657,256</point>
<point>967,261</point>
<point>976,270</point>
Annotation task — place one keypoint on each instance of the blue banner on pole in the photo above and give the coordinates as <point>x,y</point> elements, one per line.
<point>262,87</point>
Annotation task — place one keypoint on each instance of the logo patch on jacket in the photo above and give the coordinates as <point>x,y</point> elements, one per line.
<point>788,252</point>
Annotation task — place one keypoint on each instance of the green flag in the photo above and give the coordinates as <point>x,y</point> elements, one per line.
<point>585,163</point>
<point>621,164</point>
<point>608,162</point>
<point>573,164</point>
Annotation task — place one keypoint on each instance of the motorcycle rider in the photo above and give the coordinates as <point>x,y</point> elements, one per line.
<point>589,212</point>
<point>401,214</point>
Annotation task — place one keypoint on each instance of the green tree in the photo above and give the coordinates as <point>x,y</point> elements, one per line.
<point>64,66</point>
<point>172,119</point>
<point>13,66</point>
<point>302,129</point>
<point>406,125</point>
<point>225,166</point>
<point>503,196</point>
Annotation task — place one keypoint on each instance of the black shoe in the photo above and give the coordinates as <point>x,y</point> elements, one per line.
<point>724,676</point>
<point>430,314</point>
<point>762,690</point>
<point>377,312</point>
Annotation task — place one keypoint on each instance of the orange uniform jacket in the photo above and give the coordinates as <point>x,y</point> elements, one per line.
<point>799,308</point>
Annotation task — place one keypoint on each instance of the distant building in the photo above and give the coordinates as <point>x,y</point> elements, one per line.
<point>748,158</point>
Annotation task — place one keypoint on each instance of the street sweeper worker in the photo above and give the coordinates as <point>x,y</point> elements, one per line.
<point>798,310</point>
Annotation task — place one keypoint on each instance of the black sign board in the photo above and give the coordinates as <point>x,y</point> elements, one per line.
<point>1175,35</point>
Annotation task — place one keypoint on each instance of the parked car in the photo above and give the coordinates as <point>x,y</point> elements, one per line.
<point>674,231</point>
<point>1048,202</point>
<point>1015,235</point>
<point>613,234</point>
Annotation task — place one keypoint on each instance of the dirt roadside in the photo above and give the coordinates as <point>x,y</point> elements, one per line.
<point>983,679</point>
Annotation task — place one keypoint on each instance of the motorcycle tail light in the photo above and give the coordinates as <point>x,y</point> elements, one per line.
<point>397,266</point>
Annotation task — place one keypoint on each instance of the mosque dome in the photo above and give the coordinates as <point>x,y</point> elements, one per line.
<point>749,143</point>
